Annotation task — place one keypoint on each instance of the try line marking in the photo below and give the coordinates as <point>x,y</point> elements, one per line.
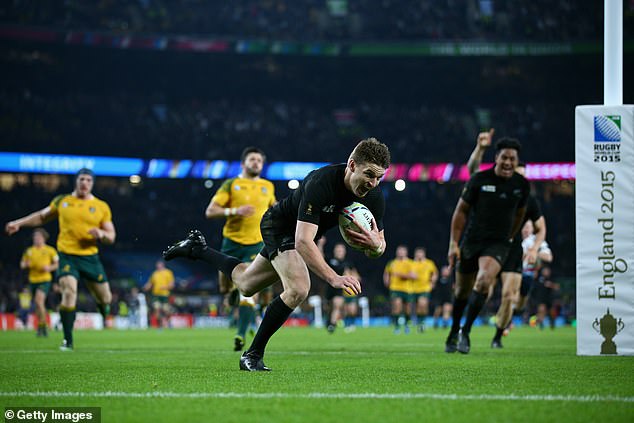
<point>321,395</point>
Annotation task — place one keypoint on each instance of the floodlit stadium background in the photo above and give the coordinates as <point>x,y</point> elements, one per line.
<point>181,91</point>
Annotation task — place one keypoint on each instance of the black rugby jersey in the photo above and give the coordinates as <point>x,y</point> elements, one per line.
<point>319,198</point>
<point>494,201</point>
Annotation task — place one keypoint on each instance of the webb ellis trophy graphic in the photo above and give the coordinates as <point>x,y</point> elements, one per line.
<point>608,327</point>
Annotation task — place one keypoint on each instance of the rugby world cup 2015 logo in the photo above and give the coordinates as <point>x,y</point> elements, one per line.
<point>607,138</point>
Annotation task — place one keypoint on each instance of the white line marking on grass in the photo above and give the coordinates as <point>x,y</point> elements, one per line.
<point>322,395</point>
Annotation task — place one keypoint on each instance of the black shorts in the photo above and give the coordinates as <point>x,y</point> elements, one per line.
<point>470,253</point>
<point>332,292</point>
<point>442,295</point>
<point>543,295</point>
<point>527,283</point>
<point>513,262</point>
<point>278,235</point>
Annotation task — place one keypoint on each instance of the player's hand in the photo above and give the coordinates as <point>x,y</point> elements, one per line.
<point>369,239</point>
<point>485,138</point>
<point>96,233</point>
<point>11,227</point>
<point>245,211</point>
<point>350,285</point>
<point>530,256</point>
<point>453,255</point>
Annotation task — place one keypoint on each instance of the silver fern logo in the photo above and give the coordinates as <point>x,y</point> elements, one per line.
<point>607,128</point>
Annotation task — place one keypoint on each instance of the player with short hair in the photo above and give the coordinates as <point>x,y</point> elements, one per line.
<point>492,206</point>
<point>40,259</point>
<point>511,274</point>
<point>84,221</point>
<point>161,283</point>
<point>397,276</point>
<point>243,200</point>
<point>421,286</point>
<point>289,230</point>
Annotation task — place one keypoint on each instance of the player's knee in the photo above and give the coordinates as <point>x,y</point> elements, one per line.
<point>106,297</point>
<point>296,294</point>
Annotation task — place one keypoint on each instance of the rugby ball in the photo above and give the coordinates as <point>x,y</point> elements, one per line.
<point>354,212</point>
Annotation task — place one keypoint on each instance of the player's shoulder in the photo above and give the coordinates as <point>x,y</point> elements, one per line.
<point>482,176</point>
<point>520,180</point>
<point>50,249</point>
<point>227,184</point>
<point>331,171</point>
<point>59,198</point>
<point>100,203</point>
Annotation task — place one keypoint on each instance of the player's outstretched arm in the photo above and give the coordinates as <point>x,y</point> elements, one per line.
<point>482,143</point>
<point>305,245</point>
<point>37,218</point>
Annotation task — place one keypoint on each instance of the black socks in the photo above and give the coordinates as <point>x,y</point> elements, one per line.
<point>276,314</point>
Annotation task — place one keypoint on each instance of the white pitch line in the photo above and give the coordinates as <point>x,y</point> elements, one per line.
<point>322,395</point>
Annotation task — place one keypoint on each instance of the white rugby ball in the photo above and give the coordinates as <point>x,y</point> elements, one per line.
<point>354,212</point>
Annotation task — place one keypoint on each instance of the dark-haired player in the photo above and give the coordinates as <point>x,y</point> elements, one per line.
<point>493,203</point>
<point>242,201</point>
<point>289,230</point>
<point>513,293</point>
<point>84,221</point>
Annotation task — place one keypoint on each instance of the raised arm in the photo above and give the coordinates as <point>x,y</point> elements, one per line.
<point>482,143</point>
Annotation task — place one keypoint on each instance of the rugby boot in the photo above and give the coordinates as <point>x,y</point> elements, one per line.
<point>184,248</point>
<point>251,362</point>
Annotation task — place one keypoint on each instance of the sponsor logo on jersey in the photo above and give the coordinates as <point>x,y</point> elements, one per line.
<point>488,188</point>
<point>329,209</point>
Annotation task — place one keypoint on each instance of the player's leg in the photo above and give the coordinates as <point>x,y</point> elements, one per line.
<point>336,313</point>
<point>103,297</point>
<point>351,311</point>
<point>295,278</point>
<point>446,313</point>
<point>466,271</point>
<point>488,268</point>
<point>397,309</point>
<point>511,282</point>
<point>465,279</point>
<point>40,310</point>
<point>246,315</point>
<point>166,308</point>
<point>422,309</point>
<point>67,309</point>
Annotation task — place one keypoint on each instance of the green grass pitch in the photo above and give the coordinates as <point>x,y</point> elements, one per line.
<point>370,375</point>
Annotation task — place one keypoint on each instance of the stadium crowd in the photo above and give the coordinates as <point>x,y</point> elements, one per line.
<point>338,20</point>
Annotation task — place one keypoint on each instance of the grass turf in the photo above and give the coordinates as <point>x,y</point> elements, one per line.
<point>317,376</point>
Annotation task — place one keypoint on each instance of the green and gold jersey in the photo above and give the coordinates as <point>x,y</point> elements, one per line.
<point>398,267</point>
<point>162,281</point>
<point>236,192</point>
<point>76,216</point>
<point>424,271</point>
<point>37,258</point>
